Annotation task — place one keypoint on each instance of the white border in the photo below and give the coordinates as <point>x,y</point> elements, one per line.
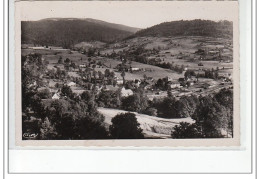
<point>35,160</point>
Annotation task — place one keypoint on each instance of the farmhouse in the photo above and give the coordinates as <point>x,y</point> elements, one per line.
<point>137,82</point>
<point>168,78</point>
<point>225,76</point>
<point>126,92</point>
<point>150,79</point>
<point>82,65</point>
<point>174,84</point>
<point>120,81</point>
<point>37,48</point>
<point>110,88</point>
<point>70,84</point>
<point>134,69</point>
<point>213,52</point>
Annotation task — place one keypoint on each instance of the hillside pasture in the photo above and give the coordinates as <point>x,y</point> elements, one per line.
<point>149,71</point>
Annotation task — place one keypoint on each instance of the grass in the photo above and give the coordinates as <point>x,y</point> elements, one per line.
<point>152,126</point>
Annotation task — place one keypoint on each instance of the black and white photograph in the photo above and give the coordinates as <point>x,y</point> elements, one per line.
<point>163,71</point>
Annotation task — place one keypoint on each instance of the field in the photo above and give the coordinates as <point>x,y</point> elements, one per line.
<point>75,57</point>
<point>170,50</point>
<point>176,50</point>
<point>180,50</point>
<point>153,127</point>
<point>149,71</point>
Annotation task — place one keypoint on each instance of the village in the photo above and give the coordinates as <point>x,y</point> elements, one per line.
<point>104,71</point>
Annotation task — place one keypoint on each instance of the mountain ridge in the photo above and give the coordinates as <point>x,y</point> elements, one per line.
<point>66,32</point>
<point>195,27</point>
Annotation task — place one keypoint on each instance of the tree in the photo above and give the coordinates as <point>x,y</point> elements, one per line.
<point>187,105</point>
<point>225,98</point>
<point>44,94</point>
<point>72,119</point>
<point>185,130</point>
<point>125,126</point>
<point>107,73</point>
<point>47,130</point>
<point>67,61</point>
<point>90,128</point>
<point>73,65</point>
<point>169,93</point>
<point>123,76</point>
<point>151,111</point>
<point>66,91</point>
<point>211,117</point>
<point>32,68</point>
<point>91,52</point>
<point>87,96</point>
<point>107,99</point>
<point>60,61</point>
<point>167,107</point>
<point>65,126</point>
<point>138,102</point>
<point>145,77</point>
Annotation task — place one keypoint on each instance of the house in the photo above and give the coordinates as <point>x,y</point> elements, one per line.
<point>225,76</point>
<point>110,88</point>
<point>200,52</point>
<point>126,92</point>
<point>120,82</point>
<point>134,69</point>
<point>137,82</point>
<point>71,84</point>
<point>175,85</point>
<point>56,96</point>
<point>213,52</point>
<point>150,79</point>
<point>181,80</point>
<point>168,78</point>
<point>148,87</point>
<point>82,66</point>
<point>37,48</point>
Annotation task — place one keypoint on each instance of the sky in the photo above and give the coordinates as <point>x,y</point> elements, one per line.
<point>141,14</point>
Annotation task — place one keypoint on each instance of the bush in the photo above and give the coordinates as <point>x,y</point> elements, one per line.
<point>125,126</point>
<point>151,111</point>
<point>186,130</point>
<point>44,94</point>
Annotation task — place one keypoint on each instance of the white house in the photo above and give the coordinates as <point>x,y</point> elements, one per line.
<point>56,96</point>
<point>175,85</point>
<point>120,81</point>
<point>37,48</point>
<point>71,84</point>
<point>126,92</point>
<point>82,66</point>
<point>135,69</point>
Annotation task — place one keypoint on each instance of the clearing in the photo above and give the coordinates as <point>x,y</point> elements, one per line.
<point>153,127</point>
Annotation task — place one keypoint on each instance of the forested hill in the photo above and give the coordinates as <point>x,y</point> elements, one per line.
<point>188,28</point>
<point>69,31</point>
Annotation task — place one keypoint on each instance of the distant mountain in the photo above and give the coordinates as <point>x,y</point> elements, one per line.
<point>69,31</point>
<point>188,28</point>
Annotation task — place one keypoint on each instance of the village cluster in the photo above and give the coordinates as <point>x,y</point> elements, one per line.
<point>95,71</point>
